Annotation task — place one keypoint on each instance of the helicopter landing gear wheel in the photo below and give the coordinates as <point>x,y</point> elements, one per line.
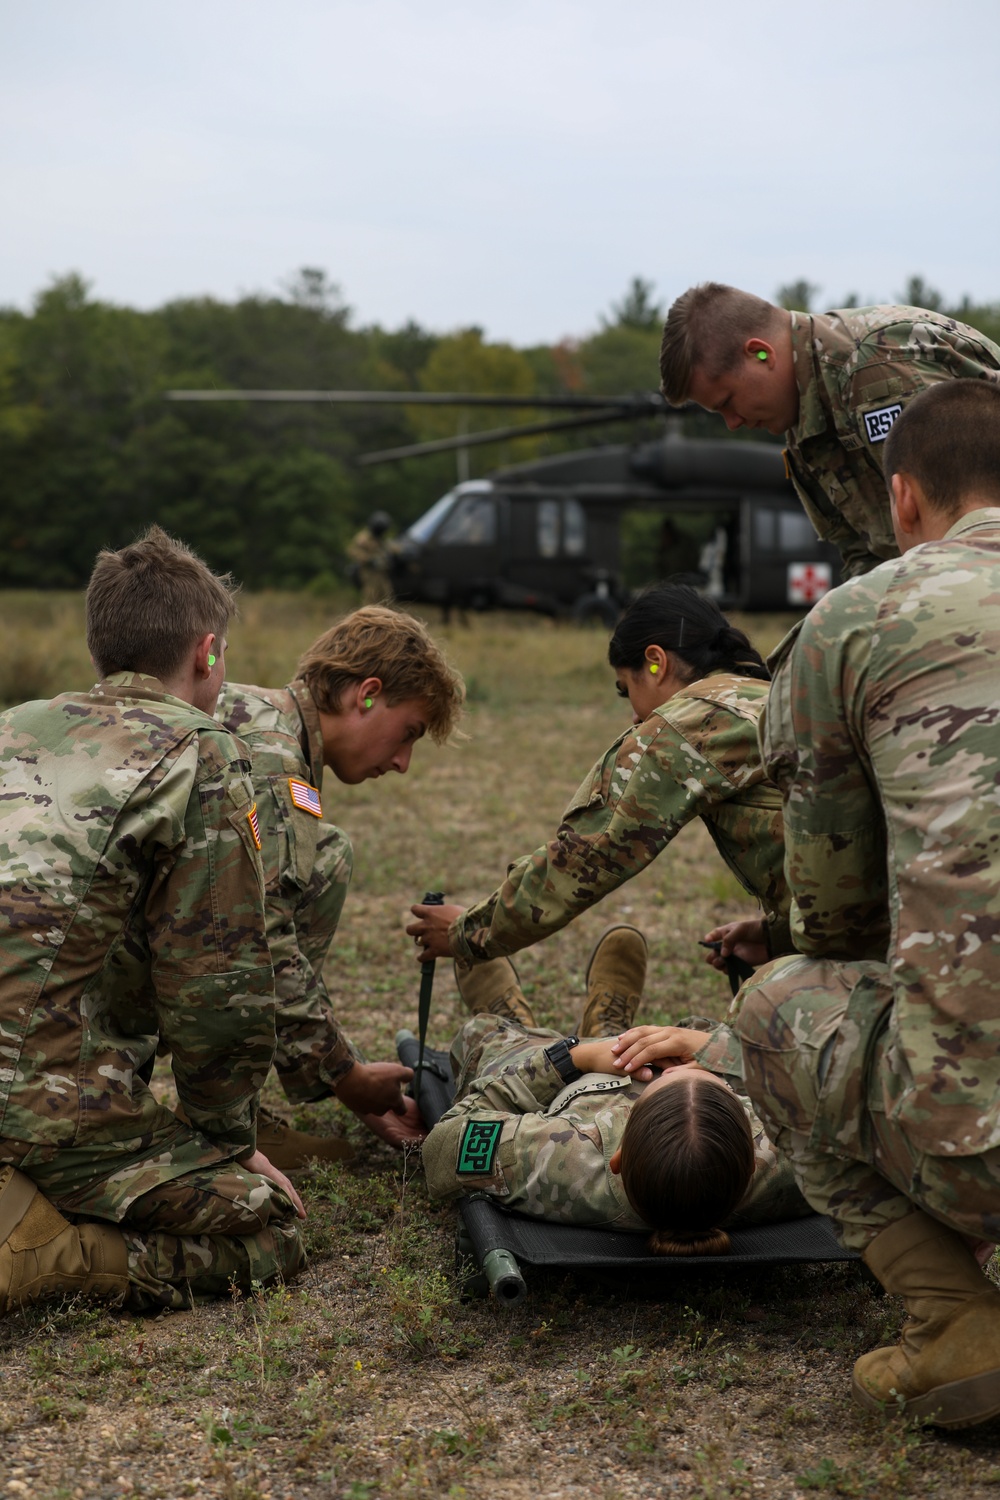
<point>596,609</point>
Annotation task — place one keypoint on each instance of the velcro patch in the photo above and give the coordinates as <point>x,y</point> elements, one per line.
<point>305,796</point>
<point>254,824</point>
<point>479,1148</point>
<point>878,423</point>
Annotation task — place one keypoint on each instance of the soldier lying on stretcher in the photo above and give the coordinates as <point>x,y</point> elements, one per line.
<point>560,1129</point>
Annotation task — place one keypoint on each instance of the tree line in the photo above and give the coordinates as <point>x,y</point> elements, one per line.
<point>91,452</point>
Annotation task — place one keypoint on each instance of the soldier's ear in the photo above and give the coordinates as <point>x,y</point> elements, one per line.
<point>760,351</point>
<point>905,504</point>
<point>615,1163</point>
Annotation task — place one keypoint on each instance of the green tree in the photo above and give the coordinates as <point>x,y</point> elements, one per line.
<point>918,293</point>
<point>465,362</point>
<point>797,296</point>
<point>638,309</point>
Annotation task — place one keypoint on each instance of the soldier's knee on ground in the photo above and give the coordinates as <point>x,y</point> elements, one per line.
<point>173,1271</point>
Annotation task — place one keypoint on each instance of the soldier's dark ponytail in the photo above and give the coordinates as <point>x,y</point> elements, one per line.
<point>687,1158</point>
<point>692,627</point>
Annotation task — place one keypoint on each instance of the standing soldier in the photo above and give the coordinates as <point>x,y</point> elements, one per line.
<point>364,693</point>
<point>833,383</point>
<point>370,551</point>
<point>874,1060</point>
<point>131,912</point>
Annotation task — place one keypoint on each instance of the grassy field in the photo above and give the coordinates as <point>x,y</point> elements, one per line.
<point>371,1378</point>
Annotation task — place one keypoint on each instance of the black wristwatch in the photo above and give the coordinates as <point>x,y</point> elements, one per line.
<point>559,1056</point>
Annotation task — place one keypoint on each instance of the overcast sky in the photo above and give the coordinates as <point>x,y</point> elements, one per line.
<point>510,165</point>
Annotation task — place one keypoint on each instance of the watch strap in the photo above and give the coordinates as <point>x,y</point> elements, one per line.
<point>558,1055</point>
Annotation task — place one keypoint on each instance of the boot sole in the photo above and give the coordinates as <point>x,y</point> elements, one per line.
<point>959,1403</point>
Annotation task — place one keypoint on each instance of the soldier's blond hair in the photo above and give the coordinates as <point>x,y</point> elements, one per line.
<point>148,603</point>
<point>948,440</point>
<point>706,329</point>
<point>396,648</point>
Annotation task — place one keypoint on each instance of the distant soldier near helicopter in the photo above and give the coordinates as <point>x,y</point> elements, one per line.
<point>370,552</point>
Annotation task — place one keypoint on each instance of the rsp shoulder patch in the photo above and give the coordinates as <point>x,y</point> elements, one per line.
<point>878,423</point>
<point>478,1148</point>
<point>305,796</point>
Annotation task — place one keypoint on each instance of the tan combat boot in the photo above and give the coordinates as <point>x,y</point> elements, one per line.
<point>43,1255</point>
<point>616,974</point>
<point>495,987</point>
<point>946,1368</point>
<point>289,1150</point>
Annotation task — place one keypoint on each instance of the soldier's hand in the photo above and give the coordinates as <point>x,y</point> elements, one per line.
<point>664,1046</point>
<point>407,1129</point>
<point>430,930</point>
<point>594,1056</point>
<point>259,1164</point>
<point>374,1088</point>
<point>746,939</point>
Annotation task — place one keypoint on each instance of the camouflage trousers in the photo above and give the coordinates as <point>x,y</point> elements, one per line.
<point>818,1064</point>
<point>195,1236</point>
<point>305,1026</point>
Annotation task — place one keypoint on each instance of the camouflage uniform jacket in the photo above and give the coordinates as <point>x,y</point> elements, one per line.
<point>856,369</point>
<point>521,1135</point>
<point>882,730</point>
<point>695,756</point>
<point>131,911</point>
<point>281,729</point>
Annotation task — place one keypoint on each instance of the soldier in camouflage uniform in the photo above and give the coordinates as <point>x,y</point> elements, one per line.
<point>131,913</point>
<point>365,692</point>
<point>697,689</point>
<point>370,553</point>
<point>832,383</point>
<point>874,1060</point>
<point>549,1147</point>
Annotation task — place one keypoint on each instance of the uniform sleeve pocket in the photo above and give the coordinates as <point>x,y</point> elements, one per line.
<point>595,787</point>
<point>295,832</point>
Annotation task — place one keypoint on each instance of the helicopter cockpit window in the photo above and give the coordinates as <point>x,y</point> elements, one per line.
<point>548,528</point>
<point>473,523</point>
<point>574,528</point>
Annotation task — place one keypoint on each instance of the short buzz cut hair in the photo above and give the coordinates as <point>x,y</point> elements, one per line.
<point>706,328</point>
<point>376,641</point>
<point>150,602</point>
<point>948,440</point>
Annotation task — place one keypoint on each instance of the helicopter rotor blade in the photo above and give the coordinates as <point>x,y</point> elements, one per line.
<point>642,403</point>
<point>497,435</point>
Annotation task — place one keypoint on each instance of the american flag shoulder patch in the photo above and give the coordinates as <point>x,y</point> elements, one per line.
<point>254,825</point>
<point>305,796</point>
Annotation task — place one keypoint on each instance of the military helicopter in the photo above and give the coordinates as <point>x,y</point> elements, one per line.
<point>547,535</point>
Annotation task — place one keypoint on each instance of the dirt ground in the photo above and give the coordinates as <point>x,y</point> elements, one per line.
<point>371,1377</point>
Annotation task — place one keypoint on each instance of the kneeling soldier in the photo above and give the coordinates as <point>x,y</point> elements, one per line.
<point>132,914</point>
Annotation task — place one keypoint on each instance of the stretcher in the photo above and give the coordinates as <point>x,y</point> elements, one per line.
<point>502,1242</point>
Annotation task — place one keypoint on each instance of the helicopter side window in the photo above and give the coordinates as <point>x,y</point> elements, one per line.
<point>795,532</point>
<point>574,528</point>
<point>548,528</point>
<point>787,531</point>
<point>764,529</point>
<point>473,523</point>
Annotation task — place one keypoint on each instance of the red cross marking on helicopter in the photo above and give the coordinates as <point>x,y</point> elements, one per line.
<point>808,582</point>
